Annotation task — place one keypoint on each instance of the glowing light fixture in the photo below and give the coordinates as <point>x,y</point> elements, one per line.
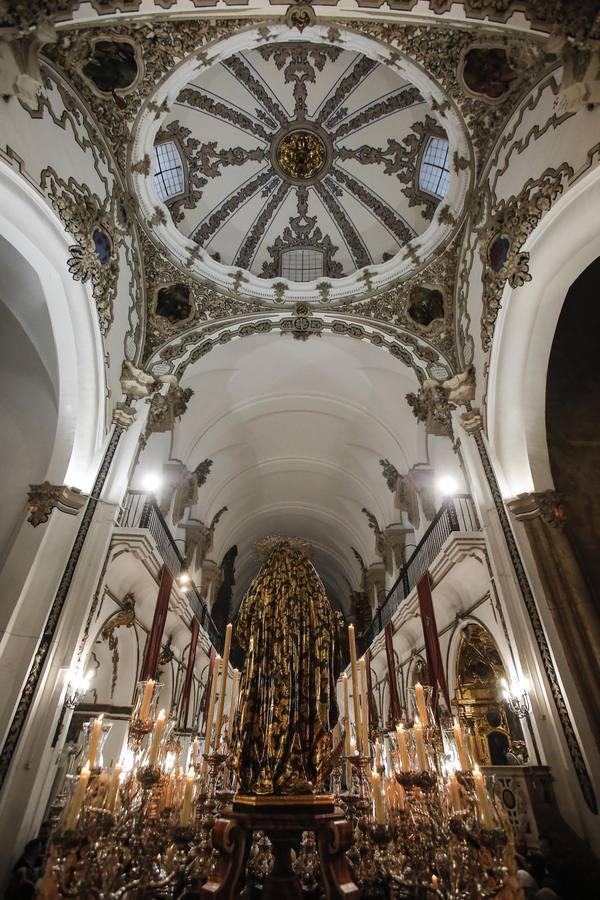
<point>447,485</point>
<point>151,482</point>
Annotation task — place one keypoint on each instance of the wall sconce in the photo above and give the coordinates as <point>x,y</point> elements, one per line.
<point>516,695</point>
<point>78,685</point>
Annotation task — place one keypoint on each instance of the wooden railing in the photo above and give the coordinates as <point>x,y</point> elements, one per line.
<point>456,514</point>
<point>141,510</point>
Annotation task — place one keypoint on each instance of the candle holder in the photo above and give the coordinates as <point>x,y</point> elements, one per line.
<point>419,700</point>
<point>88,739</point>
<point>145,705</point>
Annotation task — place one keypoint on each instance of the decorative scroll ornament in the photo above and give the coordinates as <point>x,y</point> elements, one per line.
<point>166,409</point>
<point>43,498</point>
<point>503,235</point>
<point>124,618</point>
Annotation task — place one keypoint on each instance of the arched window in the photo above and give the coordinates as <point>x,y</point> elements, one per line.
<point>434,172</point>
<point>302,264</point>
<point>168,170</point>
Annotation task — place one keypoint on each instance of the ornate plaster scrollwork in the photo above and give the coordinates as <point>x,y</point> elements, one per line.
<point>125,617</point>
<point>20,74</point>
<point>166,409</point>
<point>186,487</point>
<point>435,400</point>
<point>43,498</point>
<point>503,235</point>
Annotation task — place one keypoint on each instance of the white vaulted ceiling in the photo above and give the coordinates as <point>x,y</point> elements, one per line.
<point>296,431</point>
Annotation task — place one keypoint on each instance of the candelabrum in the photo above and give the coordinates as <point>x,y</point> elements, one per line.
<point>423,821</point>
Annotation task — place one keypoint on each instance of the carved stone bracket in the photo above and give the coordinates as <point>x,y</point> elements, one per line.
<point>20,74</point>
<point>43,498</point>
<point>124,415</point>
<point>166,409</point>
<point>422,477</point>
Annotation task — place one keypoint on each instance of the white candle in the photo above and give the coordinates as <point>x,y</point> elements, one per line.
<point>377,755</point>
<point>485,806</point>
<point>347,731</point>
<point>95,740</point>
<point>211,712</point>
<point>378,799</point>
<point>420,746</point>
<point>401,797</point>
<point>402,748</point>
<point>157,734</point>
<point>364,708</point>
<point>454,791</point>
<point>355,687</point>
<point>170,789</point>
<point>113,789</point>
<point>223,686</point>
<point>147,699</point>
<point>235,683</point>
<point>194,751</point>
<point>421,707</point>
<point>77,799</point>
<point>463,757</point>
<point>186,809</point>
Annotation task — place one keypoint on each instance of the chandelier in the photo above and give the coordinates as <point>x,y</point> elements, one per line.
<point>417,816</point>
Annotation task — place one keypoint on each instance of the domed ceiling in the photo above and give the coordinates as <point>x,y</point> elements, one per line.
<point>291,146</point>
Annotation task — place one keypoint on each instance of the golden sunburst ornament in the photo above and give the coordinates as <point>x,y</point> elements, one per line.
<point>301,155</point>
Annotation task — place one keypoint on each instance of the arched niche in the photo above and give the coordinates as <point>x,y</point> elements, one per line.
<point>479,668</point>
<point>573,418</point>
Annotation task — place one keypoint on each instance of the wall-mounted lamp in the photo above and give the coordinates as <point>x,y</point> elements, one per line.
<point>78,685</point>
<point>516,695</point>
<point>447,485</point>
<point>151,482</point>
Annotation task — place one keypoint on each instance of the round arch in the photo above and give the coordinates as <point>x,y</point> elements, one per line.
<point>32,231</point>
<point>564,244</point>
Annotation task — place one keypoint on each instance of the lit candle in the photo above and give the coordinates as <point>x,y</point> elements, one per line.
<point>186,809</point>
<point>377,755</point>
<point>194,751</point>
<point>460,746</point>
<point>421,707</point>
<point>211,712</point>
<point>159,727</point>
<point>434,881</point>
<point>77,799</point>
<point>485,806</point>
<point>402,748</point>
<point>235,683</point>
<point>378,799</point>
<point>113,789</point>
<point>364,712</point>
<point>420,745</point>
<point>355,689</point>
<point>95,740</point>
<point>147,699</point>
<point>223,686</point>
<point>454,790</point>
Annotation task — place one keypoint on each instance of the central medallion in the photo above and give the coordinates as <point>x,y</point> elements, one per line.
<point>301,155</point>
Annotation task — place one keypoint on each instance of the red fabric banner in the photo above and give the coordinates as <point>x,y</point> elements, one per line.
<point>432,643</point>
<point>395,708</point>
<point>208,688</point>
<point>158,625</point>
<point>370,698</point>
<point>189,673</point>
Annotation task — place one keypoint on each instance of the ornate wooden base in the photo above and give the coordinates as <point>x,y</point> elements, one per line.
<point>283,824</point>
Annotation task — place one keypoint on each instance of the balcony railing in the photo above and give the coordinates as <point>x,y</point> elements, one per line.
<point>456,514</point>
<point>140,510</point>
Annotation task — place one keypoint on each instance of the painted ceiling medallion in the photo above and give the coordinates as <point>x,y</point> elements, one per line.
<point>301,155</point>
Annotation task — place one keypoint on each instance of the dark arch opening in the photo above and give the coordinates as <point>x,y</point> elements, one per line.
<point>573,419</point>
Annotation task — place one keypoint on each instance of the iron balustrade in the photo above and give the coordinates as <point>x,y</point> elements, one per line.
<point>456,514</point>
<point>141,510</point>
